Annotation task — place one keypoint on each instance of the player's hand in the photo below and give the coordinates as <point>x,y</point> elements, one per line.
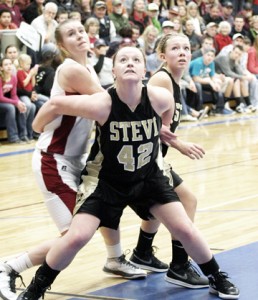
<point>191,150</point>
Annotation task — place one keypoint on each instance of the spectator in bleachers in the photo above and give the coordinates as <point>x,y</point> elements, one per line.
<point>22,4</point>
<point>26,80</point>
<point>167,27</point>
<point>227,12</point>
<point>252,62</point>
<point>229,65</point>
<point>62,15</point>
<point>163,9</point>
<point>6,20</point>
<point>102,64</point>
<point>245,42</point>
<point>11,105</point>
<point>238,26</point>
<point>12,52</point>
<point>182,13</point>
<point>213,15</point>
<point>33,10</point>
<point>222,38</point>
<point>178,26</point>
<point>194,15</point>
<point>173,13</point>
<point>92,29</point>
<point>135,34</point>
<point>253,31</point>
<point>192,109</point>
<point>107,30</point>
<point>75,15</point>
<point>138,15</point>
<point>237,39</point>
<point>207,43</point>
<point>153,61</point>
<point>46,24</point>
<point>49,61</point>
<point>205,6</point>
<point>247,13</point>
<point>117,17</point>
<point>14,9</point>
<point>195,39</point>
<point>210,31</point>
<point>148,39</point>
<point>153,11</point>
<point>202,71</point>
<point>84,7</point>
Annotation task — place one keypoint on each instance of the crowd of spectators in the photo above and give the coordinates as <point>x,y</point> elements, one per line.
<point>222,34</point>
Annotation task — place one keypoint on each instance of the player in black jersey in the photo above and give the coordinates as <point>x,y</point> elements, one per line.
<point>126,170</point>
<point>174,50</point>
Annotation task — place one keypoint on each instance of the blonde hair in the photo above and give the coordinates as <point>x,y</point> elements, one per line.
<point>144,36</point>
<point>23,58</point>
<point>89,22</point>
<point>190,5</point>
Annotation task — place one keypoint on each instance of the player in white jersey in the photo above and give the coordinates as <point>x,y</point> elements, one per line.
<point>60,155</point>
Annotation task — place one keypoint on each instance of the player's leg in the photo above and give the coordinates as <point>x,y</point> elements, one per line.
<point>62,253</point>
<point>175,219</point>
<point>116,263</point>
<point>181,269</point>
<point>51,180</point>
<point>143,255</point>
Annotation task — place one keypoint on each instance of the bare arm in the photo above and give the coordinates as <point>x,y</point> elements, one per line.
<point>163,105</point>
<point>74,79</point>
<point>94,107</point>
<point>186,148</point>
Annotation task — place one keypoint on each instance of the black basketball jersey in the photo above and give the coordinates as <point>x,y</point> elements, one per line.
<point>178,108</point>
<point>127,147</point>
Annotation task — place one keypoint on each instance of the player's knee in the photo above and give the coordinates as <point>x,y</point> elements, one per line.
<point>185,232</point>
<point>78,240</point>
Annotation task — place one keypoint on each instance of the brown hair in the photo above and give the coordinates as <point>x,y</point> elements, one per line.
<point>115,55</point>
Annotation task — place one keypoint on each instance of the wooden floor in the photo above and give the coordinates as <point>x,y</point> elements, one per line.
<point>225,182</point>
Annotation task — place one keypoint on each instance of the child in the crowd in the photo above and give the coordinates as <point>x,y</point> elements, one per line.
<point>10,104</point>
<point>92,28</point>
<point>26,80</point>
<point>6,20</point>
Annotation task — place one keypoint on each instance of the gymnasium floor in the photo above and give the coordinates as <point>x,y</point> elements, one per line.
<point>241,263</point>
<point>236,248</point>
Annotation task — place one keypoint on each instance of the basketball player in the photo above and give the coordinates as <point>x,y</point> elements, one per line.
<point>181,271</point>
<point>128,122</point>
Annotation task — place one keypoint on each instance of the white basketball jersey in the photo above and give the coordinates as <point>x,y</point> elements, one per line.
<point>65,135</point>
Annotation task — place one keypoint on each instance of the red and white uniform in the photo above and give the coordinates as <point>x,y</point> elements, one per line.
<point>59,157</point>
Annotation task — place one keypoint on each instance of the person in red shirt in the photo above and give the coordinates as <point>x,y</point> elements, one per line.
<point>138,15</point>
<point>222,38</point>
<point>252,61</point>
<point>14,9</point>
<point>26,80</point>
<point>10,104</point>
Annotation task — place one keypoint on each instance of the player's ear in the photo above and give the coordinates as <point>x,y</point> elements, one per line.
<point>162,56</point>
<point>113,73</point>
